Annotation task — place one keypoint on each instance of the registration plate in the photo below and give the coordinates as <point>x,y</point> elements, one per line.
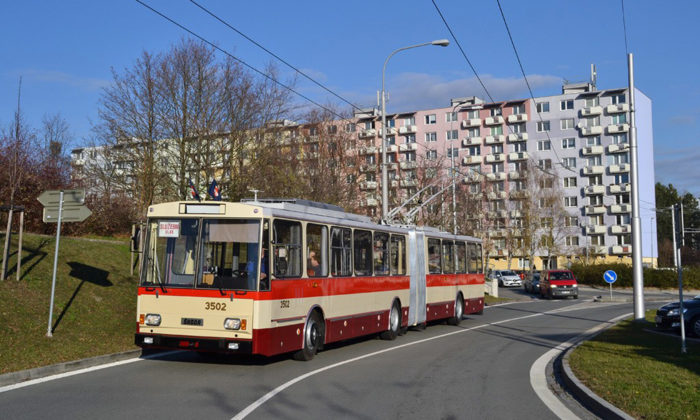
<point>192,321</point>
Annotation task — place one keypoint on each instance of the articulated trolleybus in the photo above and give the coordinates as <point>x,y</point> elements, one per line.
<point>279,276</point>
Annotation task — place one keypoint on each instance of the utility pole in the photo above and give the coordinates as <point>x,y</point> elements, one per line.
<point>677,257</point>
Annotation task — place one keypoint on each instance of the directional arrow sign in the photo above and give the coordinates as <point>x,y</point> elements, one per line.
<point>50,198</point>
<point>69,214</point>
<point>610,276</point>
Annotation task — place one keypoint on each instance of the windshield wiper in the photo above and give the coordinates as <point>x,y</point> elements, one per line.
<point>160,283</point>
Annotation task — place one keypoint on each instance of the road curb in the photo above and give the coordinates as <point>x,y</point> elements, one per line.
<point>583,394</point>
<point>41,372</point>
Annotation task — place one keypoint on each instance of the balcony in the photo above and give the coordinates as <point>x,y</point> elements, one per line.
<point>618,128</point>
<point>411,164</point>
<point>620,188</point>
<point>516,118</point>
<point>595,130</point>
<point>392,166</point>
<point>498,233</point>
<point>619,169</point>
<point>369,150</point>
<point>497,120</point>
<point>408,129</point>
<point>616,109</point>
<point>516,156</point>
<point>500,139</point>
<point>471,122</point>
<point>593,210</point>
<point>515,137</point>
<point>368,185</point>
<point>392,148</point>
<point>594,189</point>
<point>405,183</point>
<point>593,170</point>
<point>370,202</point>
<point>472,178</point>
<point>496,195</point>
<point>408,146</point>
<point>618,148</point>
<point>620,208</point>
<point>592,150</point>
<point>368,168</point>
<point>620,229</point>
<point>516,214</point>
<point>496,158</point>
<point>389,131</point>
<point>498,176</point>
<point>519,194</point>
<point>472,160</point>
<point>621,249</point>
<point>591,111</point>
<point>513,175</point>
<point>471,141</point>
<point>367,133</point>
<point>595,230</point>
<point>498,214</point>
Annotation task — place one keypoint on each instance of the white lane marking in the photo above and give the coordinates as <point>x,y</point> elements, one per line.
<point>81,371</point>
<point>262,400</point>
<point>538,376</point>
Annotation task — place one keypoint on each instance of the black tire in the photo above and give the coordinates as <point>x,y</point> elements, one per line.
<point>459,311</point>
<point>695,326</point>
<point>575,296</point>
<point>394,323</point>
<point>314,334</point>
<point>549,295</point>
<point>500,283</point>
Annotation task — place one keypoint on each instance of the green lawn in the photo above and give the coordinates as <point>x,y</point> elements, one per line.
<point>94,304</point>
<point>642,373</point>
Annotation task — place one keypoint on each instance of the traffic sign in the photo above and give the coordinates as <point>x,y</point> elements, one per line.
<point>68,214</point>
<point>610,276</point>
<point>50,198</point>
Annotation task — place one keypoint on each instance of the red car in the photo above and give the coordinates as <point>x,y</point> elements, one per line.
<point>558,283</point>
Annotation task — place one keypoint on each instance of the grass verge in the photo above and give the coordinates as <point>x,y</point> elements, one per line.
<point>94,303</point>
<point>642,373</point>
<point>491,300</point>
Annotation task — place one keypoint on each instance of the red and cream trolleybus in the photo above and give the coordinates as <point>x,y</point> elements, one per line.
<point>277,276</point>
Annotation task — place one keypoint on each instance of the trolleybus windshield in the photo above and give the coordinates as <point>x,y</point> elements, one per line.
<point>209,253</point>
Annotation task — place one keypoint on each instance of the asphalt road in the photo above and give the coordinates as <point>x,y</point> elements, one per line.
<point>480,369</point>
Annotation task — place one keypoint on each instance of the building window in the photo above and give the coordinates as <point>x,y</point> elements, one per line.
<point>542,126</point>
<point>350,128</point>
<point>519,109</point>
<point>571,221</point>
<point>450,116</point>
<point>572,240</point>
<point>494,112</point>
<point>496,149</point>
<point>567,104</point>
<point>391,140</point>
<point>430,119</point>
<point>368,125</point>
<point>619,138</point>
<point>429,137</point>
<point>597,240</point>
<point>570,182</point>
<point>517,128</point>
<point>544,163</point>
<point>473,150</point>
<point>568,143</point>
<point>591,122</point>
<point>411,138</point>
<point>622,179</point>
<point>569,162</point>
<point>370,177</point>
<point>543,107</point>
<point>618,99</point>
<point>593,141</point>
<point>452,152</point>
<point>544,145</point>
<point>431,154</point>
<point>409,121</point>
<point>619,118</point>
<point>571,201</point>
<point>474,132</point>
<point>593,161</point>
<point>546,183</point>
<point>497,130</point>
<point>595,200</point>
<point>452,134</point>
<point>473,114</point>
<point>520,147</point>
<point>370,159</point>
<point>590,102</point>
<point>391,123</point>
<point>567,124</point>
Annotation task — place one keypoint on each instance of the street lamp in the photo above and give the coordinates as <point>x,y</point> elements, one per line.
<point>385,183</point>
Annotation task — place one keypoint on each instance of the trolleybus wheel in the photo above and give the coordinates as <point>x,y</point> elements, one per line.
<point>459,311</point>
<point>313,338</point>
<point>394,323</point>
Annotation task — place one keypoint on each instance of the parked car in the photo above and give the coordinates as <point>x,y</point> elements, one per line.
<point>506,278</point>
<point>532,283</point>
<point>558,283</point>
<point>669,317</point>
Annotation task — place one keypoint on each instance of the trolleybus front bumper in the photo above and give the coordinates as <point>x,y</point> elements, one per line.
<point>214,345</point>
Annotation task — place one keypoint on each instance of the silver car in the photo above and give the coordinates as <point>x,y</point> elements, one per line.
<point>506,278</point>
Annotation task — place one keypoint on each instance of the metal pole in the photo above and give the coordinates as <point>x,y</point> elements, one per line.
<point>55,262</point>
<point>19,247</point>
<point>637,275</point>
<point>673,234</point>
<point>8,235</point>
<point>677,257</point>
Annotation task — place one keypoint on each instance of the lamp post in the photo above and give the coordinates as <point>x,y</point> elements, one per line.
<point>385,183</point>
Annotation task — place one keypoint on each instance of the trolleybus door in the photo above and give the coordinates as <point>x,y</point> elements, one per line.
<point>416,267</point>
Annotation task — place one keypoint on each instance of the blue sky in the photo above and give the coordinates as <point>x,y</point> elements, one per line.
<point>65,52</point>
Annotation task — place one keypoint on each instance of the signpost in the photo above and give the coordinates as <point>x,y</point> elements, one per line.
<point>61,206</point>
<point>610,277</point>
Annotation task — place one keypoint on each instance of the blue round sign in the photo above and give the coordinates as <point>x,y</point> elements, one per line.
<point>610,276</point>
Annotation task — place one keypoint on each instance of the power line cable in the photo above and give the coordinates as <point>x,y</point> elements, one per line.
<point>274,55</point>
<point>624,26</point>
<point>265,75</point>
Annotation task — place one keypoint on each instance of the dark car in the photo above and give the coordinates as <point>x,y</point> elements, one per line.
<point>532,283</point>
<point>669,317</point>
<point>558,283</point>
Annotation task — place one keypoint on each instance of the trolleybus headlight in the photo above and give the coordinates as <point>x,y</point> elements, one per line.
<point>554,286</point>
<point>153,320</point>
<point>232,323</point>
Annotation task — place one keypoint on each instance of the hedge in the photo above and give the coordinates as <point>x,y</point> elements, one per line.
<point>662,278</point>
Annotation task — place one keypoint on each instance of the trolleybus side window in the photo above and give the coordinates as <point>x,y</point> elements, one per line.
<point>448,264</point>
<point>434,256</point>
<point>471,256</point>
<point>479,267</point>
<point>229,254</point>
<point>341,252</point>
<point>316,250</point>
<point>287,248</point>
<point>460,257</point>
<point>381,253</point>
<point>362,247</point>
<point>170,254</point>
<point>398,255</point>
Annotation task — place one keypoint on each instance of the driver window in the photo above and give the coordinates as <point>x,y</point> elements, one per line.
<point>229,254</point>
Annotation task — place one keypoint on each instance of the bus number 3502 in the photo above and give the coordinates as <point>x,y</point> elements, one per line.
<point>215,306</point>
